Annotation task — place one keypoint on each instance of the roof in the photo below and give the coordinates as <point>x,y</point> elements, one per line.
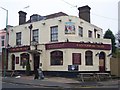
<point>55,15</point>
<point>52,16</point>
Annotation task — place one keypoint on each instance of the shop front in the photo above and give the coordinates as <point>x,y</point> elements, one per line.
<point>18,57</point>
<point>79,57</point>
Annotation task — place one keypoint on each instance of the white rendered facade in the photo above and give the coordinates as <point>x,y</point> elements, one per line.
<point>44,38</point>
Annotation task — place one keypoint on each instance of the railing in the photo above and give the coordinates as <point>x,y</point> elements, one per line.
<point>93,76</point>
<point>80,39</point>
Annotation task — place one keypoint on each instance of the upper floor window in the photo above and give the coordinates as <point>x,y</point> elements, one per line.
<point>95,30</point>
<point>56,58</point>
<point>2,43</point>
<point>35,35</point>
<point>89,34</point>
<point>98,35</point>
<point>18,38</point>
<point>80,31</point>
<point>54,33</point>
<point>2,40</point>
<point>89,58</point>
<point>2,37</point>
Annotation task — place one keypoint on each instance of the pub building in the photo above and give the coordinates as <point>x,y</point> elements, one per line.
<point>59,44</point>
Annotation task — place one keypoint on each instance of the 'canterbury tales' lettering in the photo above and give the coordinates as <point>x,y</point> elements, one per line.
<point>78,45</point>
<point>19,49</point>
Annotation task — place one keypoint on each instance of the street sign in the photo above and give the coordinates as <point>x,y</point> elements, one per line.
<point>72,67</point>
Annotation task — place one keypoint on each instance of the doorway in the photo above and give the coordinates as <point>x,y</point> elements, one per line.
<point>36,60</point>
<point>102,62</point>
<point>13,61</point>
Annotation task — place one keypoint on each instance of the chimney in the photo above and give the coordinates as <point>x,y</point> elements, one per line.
<point>22,17</point>
<point>84,13</point>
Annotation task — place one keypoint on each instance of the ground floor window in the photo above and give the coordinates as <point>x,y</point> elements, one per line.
<point>76,57</point>
<point>56,58</point>
<point>17,60</point>
<point>89,58</point>
<point>24,58</point>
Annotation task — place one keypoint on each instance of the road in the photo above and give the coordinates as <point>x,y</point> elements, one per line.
<point>11,86</point>
<point>52,84</point>
<point>14,86</point>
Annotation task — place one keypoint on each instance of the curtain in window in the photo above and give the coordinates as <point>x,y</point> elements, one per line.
<point>89,57</point>
<point>56,58</point>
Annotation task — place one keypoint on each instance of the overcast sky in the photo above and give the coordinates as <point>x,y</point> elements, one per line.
<point>104,13</point>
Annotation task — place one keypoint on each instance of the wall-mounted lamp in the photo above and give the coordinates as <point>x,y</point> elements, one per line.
<point>8,46</point>
<point>101,43</point>
<point>67,40</point>
<point>43,23</point>
<point>59,20</point>
<point>97,54</point>
<point>88,42</point>
<point>40,64</point>
<point>82,42</point>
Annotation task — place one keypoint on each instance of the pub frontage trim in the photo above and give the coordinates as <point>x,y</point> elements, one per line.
<point>78,45</point>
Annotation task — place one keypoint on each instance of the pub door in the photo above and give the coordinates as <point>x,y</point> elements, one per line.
<point>36,60</point>
<point>102,62</point>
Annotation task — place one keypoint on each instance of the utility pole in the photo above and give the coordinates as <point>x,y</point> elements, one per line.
<point>5,54</point>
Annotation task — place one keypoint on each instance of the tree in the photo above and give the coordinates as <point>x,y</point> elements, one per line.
<point>109,35</point>
<point>118,44</point>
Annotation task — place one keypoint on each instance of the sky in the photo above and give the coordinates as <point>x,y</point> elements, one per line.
<point>104,13</point>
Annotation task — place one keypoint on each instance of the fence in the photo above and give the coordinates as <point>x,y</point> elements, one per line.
<point>115,66</point>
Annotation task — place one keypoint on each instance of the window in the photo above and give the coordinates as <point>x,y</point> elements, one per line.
<point>95,30</point>
<point>2,40</point>
<point>98,35</point>
<point>35,35</point>
<point>89,34</point>
<point>2,37</point>
<point>54,33</point>
<point>56,58</point>
<point>17,60</point>
<point>80,31</point>
<point>18,38</point>
<point>76,58</point>
<point>89,58</point>
<point>24,58</point>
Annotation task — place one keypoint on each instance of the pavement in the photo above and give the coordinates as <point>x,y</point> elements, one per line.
<point>61,82</point>
<point>47,82</point>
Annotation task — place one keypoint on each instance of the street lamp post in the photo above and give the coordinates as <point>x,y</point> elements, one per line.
<point>30,27</point>
<point>5,55</point>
